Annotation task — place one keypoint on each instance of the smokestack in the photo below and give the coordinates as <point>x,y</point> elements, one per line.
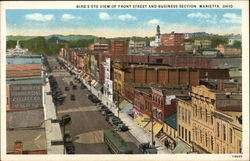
<point>18,147</point>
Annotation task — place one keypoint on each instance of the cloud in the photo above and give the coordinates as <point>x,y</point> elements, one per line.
<point>198,15</point>
<point>231,18</point>
<point>104,16</point>
<point>39,17</point>
<point>66,17</point>
<point>155,22</point>
<point>126,17</point>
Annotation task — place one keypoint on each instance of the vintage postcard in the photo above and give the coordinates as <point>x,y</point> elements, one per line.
<point>124,80</point>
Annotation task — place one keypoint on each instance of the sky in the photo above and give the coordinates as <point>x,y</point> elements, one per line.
<point>122,23</point>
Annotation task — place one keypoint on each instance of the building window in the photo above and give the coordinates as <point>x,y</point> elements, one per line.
<point>218,129</point>
<point>182,132</point>
<point>189,117</point>
<point>182,114</point>
<point>179,131</point>
<point>218,149</point>
<point>240,146</point>
<point>189,136</point>
<point>212,122</point>
<point>185,134</point>
<point>180,110</point>
<point>231,135</point>
<point>212,143</point>
<point>201,137</point>
<point>223,150</point>
<point>224,133</point>
<point>201,113</point>
<point>206,115</point>
<point>206,139</point>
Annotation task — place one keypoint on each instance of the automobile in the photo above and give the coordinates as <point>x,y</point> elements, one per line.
<point>103,108</point>
<point>70,147</point>
<point>82,86</point>
<point>105,112</point>
<point>74,87</point>
<point>66,88</point>
<point>72,97</point>
<point>146,148</point>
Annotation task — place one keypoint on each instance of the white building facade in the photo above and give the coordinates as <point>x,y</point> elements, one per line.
<point>108,83</point>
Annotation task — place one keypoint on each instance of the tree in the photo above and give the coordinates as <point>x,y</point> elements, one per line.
<point>237,44</point>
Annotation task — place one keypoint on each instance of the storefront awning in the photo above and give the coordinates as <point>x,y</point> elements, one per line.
<point>138,120</point>
<point>123,104</point>
<point>145,121</point>
<point>128,108</point>
<point>181,148</point>
<point>157,128</point>
<point>98,86</point>
<point>93,82</point>
<point>148,127</point>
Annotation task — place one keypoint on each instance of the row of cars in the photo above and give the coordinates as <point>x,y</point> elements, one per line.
<point>57,95</point>
<point>115,121</point>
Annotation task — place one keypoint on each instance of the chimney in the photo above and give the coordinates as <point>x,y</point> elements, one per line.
<point>18,147</point>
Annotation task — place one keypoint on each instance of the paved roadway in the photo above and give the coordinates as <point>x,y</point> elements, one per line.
<point>86,129</point>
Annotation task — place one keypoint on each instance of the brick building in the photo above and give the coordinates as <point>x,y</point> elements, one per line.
<point>162,75</point>
<point>172,39</point>
<point>119,47</point>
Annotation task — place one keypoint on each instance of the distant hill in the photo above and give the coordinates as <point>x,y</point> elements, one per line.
<point>15,38</point>
<point>72,37</point>
<point>61,37</point>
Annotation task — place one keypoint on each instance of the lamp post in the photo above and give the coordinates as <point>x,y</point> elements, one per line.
<point>151,119</point>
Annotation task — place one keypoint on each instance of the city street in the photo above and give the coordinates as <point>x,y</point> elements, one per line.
<point>87,123</point>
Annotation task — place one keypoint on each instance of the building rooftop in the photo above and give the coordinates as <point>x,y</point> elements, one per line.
<point>232,108</point>
<point>26,80</point>
<point>32,139</point>
<point>25,118</point>
<point>171,121</point>
<point>24,60</point>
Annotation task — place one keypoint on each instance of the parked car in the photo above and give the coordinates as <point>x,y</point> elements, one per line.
<point>66,88</point>
<point>74,87</point>
<point>72,97</point>
<point>70,148</point>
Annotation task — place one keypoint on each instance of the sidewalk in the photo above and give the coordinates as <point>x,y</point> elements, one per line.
<point>53,130</point>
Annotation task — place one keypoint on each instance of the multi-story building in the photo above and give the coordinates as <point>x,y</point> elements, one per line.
<point>172,39</point>
<point>25,82</point>
<point>213,122</point>
<point>99,47</point>
<point>108,83</point>
<point>206,44</point>
<point>162,75</point>
<point>227,50</point>
<point>119,47</point>
<point>136,46</point>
